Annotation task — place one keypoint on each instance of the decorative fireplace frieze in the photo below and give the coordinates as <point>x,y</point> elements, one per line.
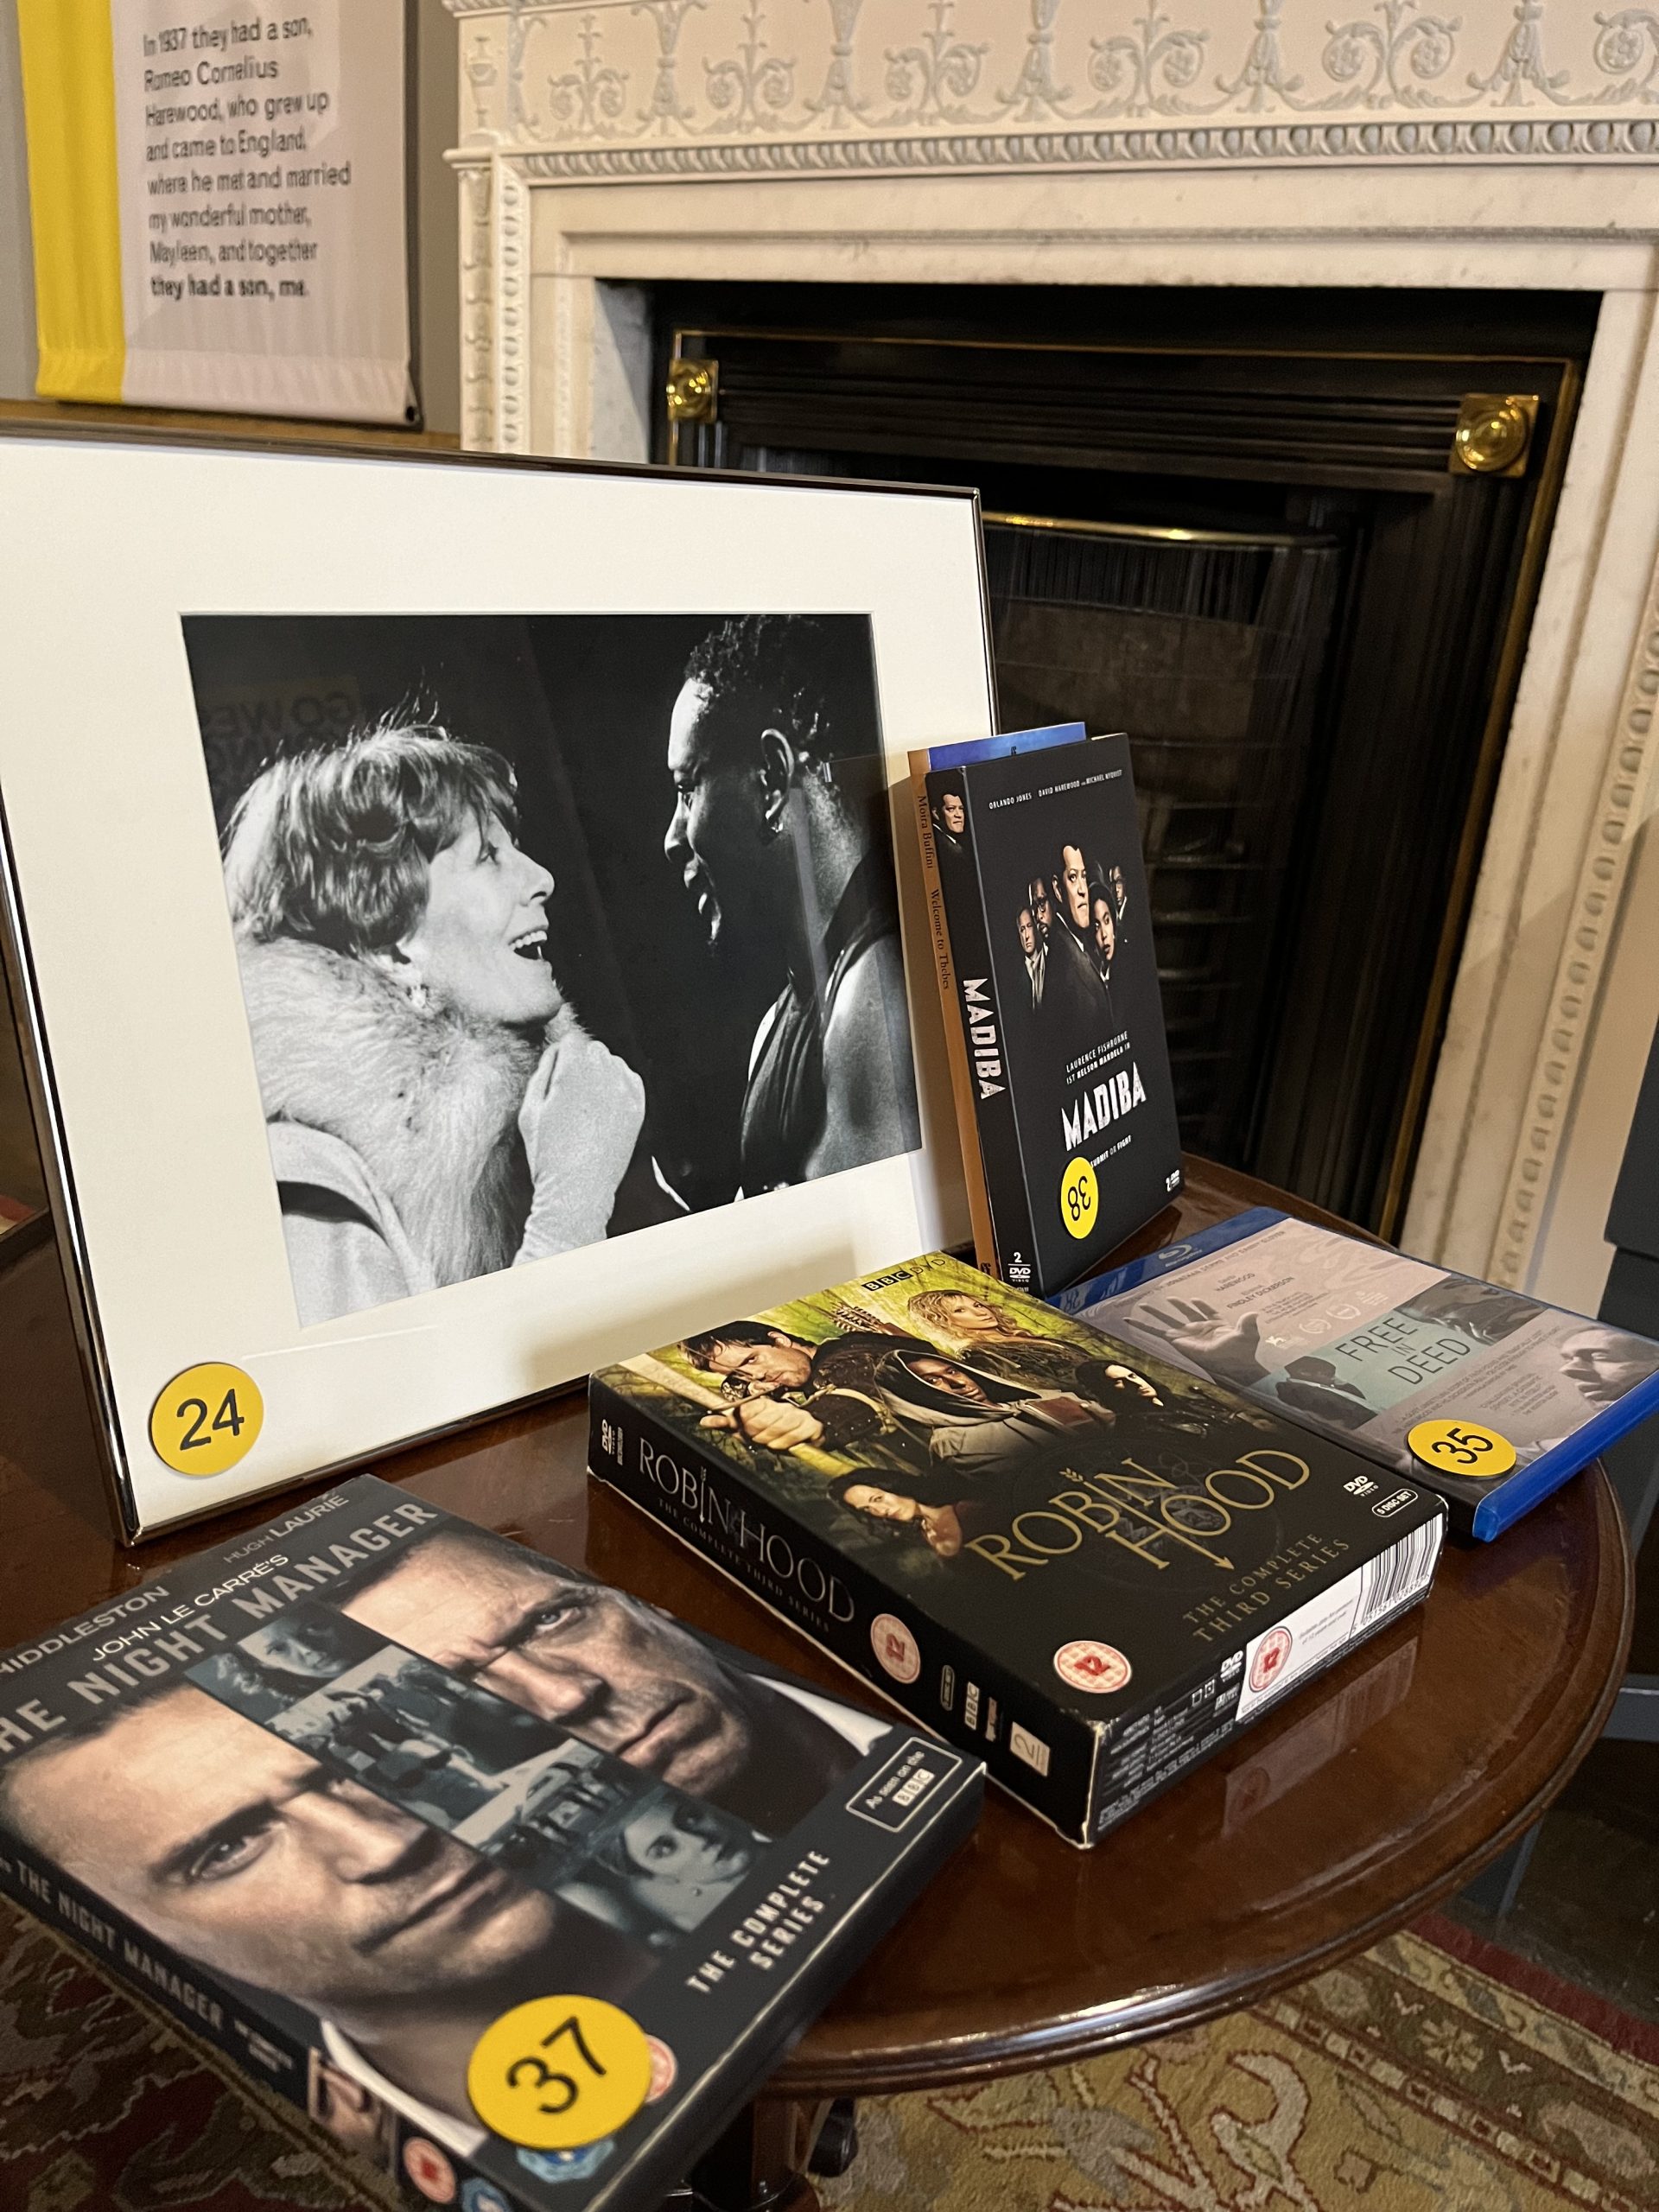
<point>771,87</point>
<point>607,145</point>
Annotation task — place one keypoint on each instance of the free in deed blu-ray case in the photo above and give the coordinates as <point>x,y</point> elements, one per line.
<point>1357,1341</point>
<point>1076,1561</point>
<point>342,1794</point>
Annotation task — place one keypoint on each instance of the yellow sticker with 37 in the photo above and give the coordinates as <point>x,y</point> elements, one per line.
<point>559,2072</point>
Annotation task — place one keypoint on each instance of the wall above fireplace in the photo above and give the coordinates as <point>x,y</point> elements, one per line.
<point>1498,146</point>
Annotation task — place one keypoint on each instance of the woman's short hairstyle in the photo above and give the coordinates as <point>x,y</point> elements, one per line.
<point>932,1309</point>
<point>333,847</point>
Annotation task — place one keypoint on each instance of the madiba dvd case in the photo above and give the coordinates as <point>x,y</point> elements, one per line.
<point>1042,945</point>
<point>1077,1561</point>
<point>518,1885</point>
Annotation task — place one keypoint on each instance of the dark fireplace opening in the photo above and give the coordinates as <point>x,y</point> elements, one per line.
<point>1290,542</point>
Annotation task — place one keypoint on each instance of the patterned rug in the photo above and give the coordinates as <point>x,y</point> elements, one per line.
<point>105,2108</point>
<point>1435,2072</point>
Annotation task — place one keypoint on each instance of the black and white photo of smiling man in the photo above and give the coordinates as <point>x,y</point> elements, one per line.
<point>485,1022</point>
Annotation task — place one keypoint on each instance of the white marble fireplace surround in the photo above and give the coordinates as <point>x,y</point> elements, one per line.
<point>1494,144</point>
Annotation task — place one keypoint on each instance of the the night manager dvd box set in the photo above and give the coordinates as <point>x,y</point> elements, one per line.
<point>303,1789</point>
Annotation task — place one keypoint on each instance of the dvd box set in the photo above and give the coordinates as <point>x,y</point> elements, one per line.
<point>451,1844</point>
<point>1042,952</point>
<point>1074,1560</point>
<point>1355,1341</point>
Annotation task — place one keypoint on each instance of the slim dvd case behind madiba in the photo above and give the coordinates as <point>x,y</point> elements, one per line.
<point>1077,1561</point>
<point>518,1885</point>
<point>1042,952</point>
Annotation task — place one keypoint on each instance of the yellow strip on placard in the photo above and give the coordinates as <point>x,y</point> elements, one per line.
<point>68,67</point>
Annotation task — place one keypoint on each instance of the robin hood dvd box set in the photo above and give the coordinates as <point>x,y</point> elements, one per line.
<point>1042,946</point>
<point>1078,1562</point>
<point>518,1886</point>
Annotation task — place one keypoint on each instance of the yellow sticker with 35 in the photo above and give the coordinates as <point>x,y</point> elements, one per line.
<point>559,2072</point>
<point>1461,1447</point>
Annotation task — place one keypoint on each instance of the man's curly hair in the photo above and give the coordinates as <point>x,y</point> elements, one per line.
<point>788,672</point>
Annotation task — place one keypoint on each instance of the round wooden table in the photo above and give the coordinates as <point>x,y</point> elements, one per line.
<point>1371,1794</point>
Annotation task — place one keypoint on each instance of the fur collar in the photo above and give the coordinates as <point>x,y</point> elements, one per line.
<point>428,1101</point>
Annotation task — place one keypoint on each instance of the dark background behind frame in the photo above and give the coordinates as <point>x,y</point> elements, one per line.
<point>1234,407</point>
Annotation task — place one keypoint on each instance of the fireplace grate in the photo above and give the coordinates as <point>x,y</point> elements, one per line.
<point>1211,649</point>
<point>1241,526</point>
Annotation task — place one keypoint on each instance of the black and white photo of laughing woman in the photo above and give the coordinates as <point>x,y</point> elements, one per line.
<point>550,928</point>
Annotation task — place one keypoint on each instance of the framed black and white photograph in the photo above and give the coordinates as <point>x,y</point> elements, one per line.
<point>463,919</point>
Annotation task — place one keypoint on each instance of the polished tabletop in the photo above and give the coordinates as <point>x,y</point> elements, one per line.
<point>1371,1794</point>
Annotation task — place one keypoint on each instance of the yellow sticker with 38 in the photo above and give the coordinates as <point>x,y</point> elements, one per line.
<point>1461,1447</point>
<point>1079,1198</point>
<point>559,2072</point>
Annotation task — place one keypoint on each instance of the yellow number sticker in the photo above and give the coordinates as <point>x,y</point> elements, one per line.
<point>559,2073</point>
<point>1079,1197</point>
<point>1461,1447</point>
<point>207,1419</point>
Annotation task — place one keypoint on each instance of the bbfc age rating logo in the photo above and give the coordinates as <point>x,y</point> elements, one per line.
<point>1096,1668</point>
<point>1271,1654</point>
<point>429,2171</point>
<point>895,1648</point>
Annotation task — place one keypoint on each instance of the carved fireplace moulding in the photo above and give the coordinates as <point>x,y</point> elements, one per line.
<point>602,140</point>
<point>1573,998</point>
<point>674,88</point>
